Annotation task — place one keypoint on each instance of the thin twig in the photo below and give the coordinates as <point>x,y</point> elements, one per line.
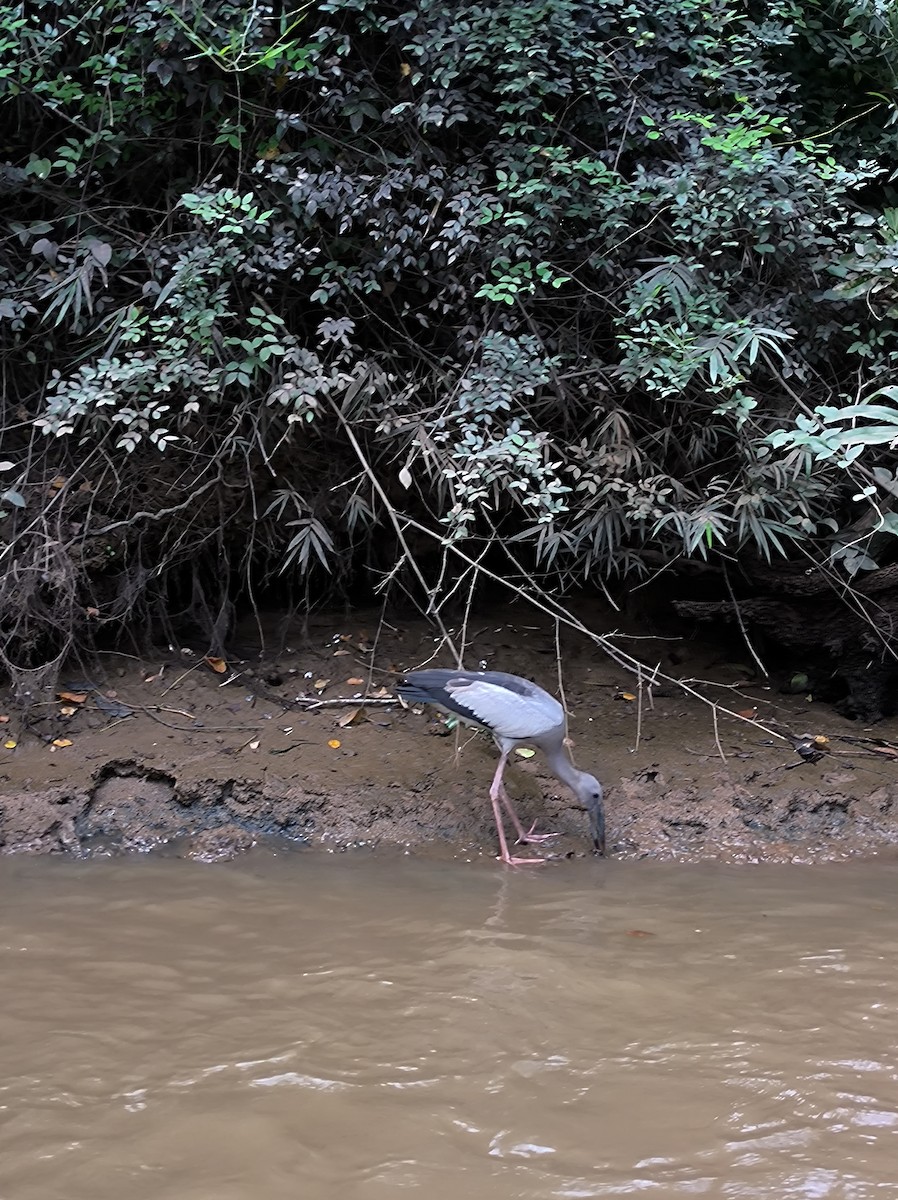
<point>558,667</point>
<point>391,512</point>
<point>464,625</point>
<point>380,625</point>
<point>183,675</point>
<point>741,623</point>
<point>157,516</point>
<point>651,686</point>
<point>559,671</point>
<point>203,729</point>
<point>638,707</point>
<point>118,721</point>
<point>717,733</point>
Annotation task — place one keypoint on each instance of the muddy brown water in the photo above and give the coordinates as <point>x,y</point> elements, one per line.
<point>350,1026</point>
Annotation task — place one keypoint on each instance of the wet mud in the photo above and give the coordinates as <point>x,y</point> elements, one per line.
<point>207,759</point>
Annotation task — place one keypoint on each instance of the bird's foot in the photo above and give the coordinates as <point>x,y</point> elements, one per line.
<point>530,837</point>
<point>511,861</point>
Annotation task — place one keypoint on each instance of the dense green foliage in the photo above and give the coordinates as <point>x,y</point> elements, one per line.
<point>574,274</point>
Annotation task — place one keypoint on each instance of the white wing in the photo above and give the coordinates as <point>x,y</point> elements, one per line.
<point>508,713</point>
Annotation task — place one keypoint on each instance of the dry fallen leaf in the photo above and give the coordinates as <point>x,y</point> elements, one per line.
<point>254,745</point>
<point>337,653</point>
<point>627,696</point>
<point>821,740</point>
<point>68,710</point>
<point>92,612</point>
<point>354,681</point>
<point>381,693</point>
<point>217,664</point>
<point>62,742</point>
<point>348,717</point>
<point>57,483</point>
<point>525,752</point>
<point>73,697</point>
<point>335,743</point>
<point>320,684</point>
<point>748,713</point>
<point>4,719</point>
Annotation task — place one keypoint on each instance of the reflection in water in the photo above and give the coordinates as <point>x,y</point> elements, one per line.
<point>309,1026</point>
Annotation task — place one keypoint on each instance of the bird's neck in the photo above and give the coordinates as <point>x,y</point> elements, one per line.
<point>563,768</point>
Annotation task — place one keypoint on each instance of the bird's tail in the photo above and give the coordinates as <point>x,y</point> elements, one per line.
<point>412,694</point>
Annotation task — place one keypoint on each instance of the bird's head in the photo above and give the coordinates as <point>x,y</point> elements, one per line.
<point>591,796</point>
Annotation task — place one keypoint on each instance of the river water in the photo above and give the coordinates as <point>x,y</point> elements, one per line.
<point>305,1026</point>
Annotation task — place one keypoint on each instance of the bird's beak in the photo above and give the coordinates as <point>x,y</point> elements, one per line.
<point>597,828</point>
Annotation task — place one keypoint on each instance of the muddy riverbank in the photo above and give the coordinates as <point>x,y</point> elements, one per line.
<point>210,758</point>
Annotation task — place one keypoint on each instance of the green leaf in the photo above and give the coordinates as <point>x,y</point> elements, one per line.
<point>870,412</point>
<point>39,167</point>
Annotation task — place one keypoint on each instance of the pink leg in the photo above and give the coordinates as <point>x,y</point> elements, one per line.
<point>496,794</point>
<point>525,836</point>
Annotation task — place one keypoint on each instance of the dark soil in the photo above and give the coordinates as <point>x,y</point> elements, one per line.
<point>849,648</point>
<point>208,764</point>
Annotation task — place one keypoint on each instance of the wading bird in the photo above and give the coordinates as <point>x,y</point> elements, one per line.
<point>517,713</point>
